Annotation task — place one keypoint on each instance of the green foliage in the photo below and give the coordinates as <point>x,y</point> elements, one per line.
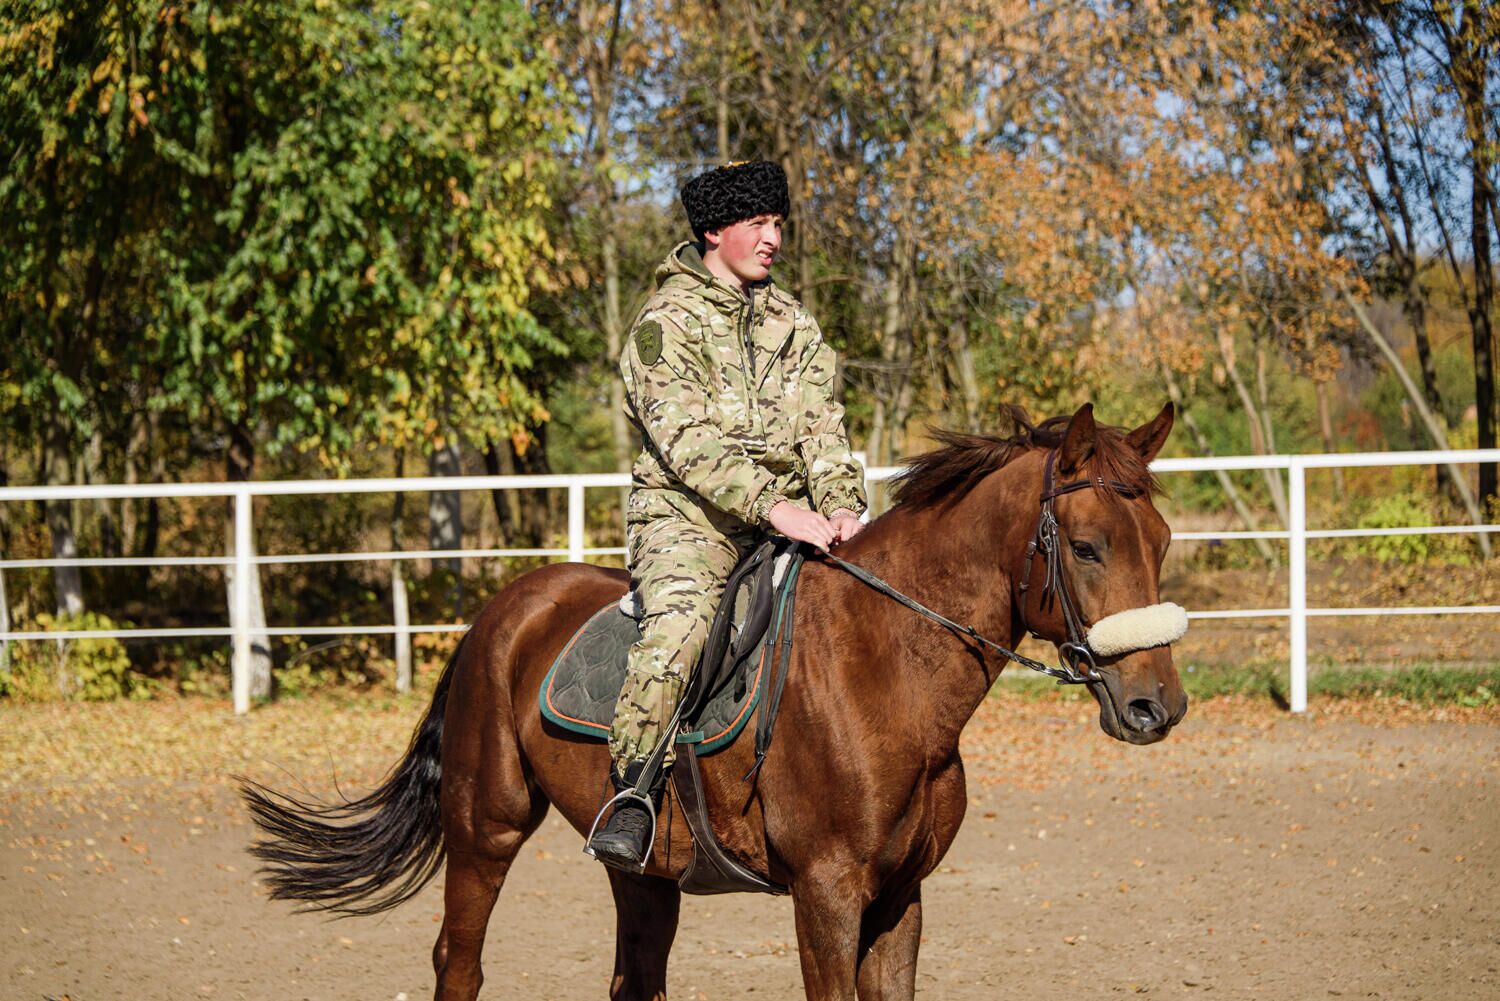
<point>1413,507</point>
<point>198,671</point>
<point>1427,684</point>
<point>304,216</point>
<point>88,669</point>
<point>353,662</point>
<point>1397,511</point>
<point>580,438</point>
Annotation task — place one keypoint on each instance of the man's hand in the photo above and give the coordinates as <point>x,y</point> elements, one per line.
<point>803,525</point>
<point>846,524</point>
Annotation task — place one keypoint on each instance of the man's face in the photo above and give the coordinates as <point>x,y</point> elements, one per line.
<point>748,248</point>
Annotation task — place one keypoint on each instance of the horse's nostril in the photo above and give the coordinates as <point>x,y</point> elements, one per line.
<point>1147,715</point>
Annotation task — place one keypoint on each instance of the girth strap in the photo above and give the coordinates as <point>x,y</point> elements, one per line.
<point>712,869</point>
<point>779,648</point>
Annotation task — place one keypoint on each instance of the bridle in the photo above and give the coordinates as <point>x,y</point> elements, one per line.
<point>1044,540</point>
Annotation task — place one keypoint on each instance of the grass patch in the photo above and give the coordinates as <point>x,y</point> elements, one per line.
<point>1425,684</point>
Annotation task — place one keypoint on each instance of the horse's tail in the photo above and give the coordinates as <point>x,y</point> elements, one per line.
<point>365,856</point>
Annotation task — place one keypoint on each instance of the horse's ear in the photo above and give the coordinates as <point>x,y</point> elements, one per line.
<point>1149,438</point>
<point>1078,441</point>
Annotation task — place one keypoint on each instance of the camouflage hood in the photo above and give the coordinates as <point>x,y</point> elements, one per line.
<point>684,270</point>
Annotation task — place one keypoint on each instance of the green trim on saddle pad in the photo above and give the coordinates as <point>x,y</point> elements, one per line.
<point>580,689</point>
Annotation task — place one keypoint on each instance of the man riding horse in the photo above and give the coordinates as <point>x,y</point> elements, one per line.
<point>731,387</point>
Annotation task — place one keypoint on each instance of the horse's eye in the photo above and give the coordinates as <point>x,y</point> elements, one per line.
<point>1085,552</point>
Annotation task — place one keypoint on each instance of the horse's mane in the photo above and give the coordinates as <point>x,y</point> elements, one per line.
<point>944,475</point>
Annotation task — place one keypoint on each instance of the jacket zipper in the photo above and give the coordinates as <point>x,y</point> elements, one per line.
<point>749,346</point>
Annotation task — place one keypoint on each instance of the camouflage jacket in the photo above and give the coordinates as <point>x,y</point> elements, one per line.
<point>733,398</point>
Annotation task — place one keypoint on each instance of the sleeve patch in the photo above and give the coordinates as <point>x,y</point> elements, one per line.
<point>648,342</point>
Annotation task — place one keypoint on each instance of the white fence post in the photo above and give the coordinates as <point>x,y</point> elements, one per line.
<point>1297,544</point>
<point>4,627</point>
<point>403,627</point>
<point>575,522</point>
<point>239,613</point>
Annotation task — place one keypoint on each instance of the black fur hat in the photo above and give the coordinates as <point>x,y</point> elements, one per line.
<point>725,195</point>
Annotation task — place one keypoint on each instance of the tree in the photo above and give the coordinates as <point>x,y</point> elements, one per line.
<point>319,224</point>
<point>76,218</point>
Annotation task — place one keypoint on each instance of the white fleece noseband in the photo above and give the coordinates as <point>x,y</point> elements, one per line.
<point>1138,629</point>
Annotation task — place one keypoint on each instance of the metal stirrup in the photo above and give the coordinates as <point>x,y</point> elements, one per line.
<point>641,791</point>
<point>625,795</point>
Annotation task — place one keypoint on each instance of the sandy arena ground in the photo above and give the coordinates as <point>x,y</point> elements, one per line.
<point>1352,853</point>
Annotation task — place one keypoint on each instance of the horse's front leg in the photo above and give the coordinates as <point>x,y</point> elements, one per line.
<point>828,906</point>
<point>889,939</point>
<point>646,911</point>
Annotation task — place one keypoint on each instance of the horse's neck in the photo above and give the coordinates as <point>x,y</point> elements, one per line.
<point>960,562</point>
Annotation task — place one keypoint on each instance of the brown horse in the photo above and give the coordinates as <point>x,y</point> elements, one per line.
<point>863,790</point>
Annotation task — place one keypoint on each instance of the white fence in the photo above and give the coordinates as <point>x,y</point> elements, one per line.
<point>239,630</point>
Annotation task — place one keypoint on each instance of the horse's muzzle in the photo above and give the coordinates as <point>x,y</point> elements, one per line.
<point>1141,719</point>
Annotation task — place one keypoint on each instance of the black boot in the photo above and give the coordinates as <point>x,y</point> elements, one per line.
<point>624,841</point>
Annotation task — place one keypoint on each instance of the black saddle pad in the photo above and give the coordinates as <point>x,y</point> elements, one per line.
<point>580,689</point>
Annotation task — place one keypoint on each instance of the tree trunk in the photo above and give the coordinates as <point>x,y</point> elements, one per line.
<point>907,386</point>
<point>1401,244</point>
<point>1263,393</point>
<point>498,462</point>
<point>1257,429</point>
<point>399,606</point>
<point>66,581</point>
<point>4,551</point>
<point>968,381</point>
<point>721,88</point>
<point>445,525</point>
<point>599,73</point>
<point>1483,336</point>
<point>1325,431</point>
<point>129,507</point>
<point>1414,305</point>
<point>104,515</point>
<point>152,534</point>
<point>782,98</point>
<point>1429,420</point>
<point>806,228</point>
<point>4,623</point>
<point>1470,56</point>
<point>240,468</point>
<point>881,398</point>
<point>1414,308</point>
<point>614,345</point>
<point>539,508</point>
<point>1200,441</point>
<point>893,375</point>
<point>4,508</point>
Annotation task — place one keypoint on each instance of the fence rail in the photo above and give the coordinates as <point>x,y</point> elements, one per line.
<point>240,631</point>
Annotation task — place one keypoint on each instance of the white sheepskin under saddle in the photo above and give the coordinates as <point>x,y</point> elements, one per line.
<point>1138,629</point>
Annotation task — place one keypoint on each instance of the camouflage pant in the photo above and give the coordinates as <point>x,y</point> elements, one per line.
<point>678,569</point>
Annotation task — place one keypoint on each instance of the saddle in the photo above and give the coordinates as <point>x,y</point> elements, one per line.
<point>742,669</point>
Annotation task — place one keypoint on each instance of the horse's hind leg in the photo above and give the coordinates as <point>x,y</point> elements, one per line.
<point>470,888</point>
<point>490,808</point>
<point>646,909</point>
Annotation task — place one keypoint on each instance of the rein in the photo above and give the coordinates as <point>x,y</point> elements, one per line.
<point>1065,674</point>
<point>1044,539</point>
